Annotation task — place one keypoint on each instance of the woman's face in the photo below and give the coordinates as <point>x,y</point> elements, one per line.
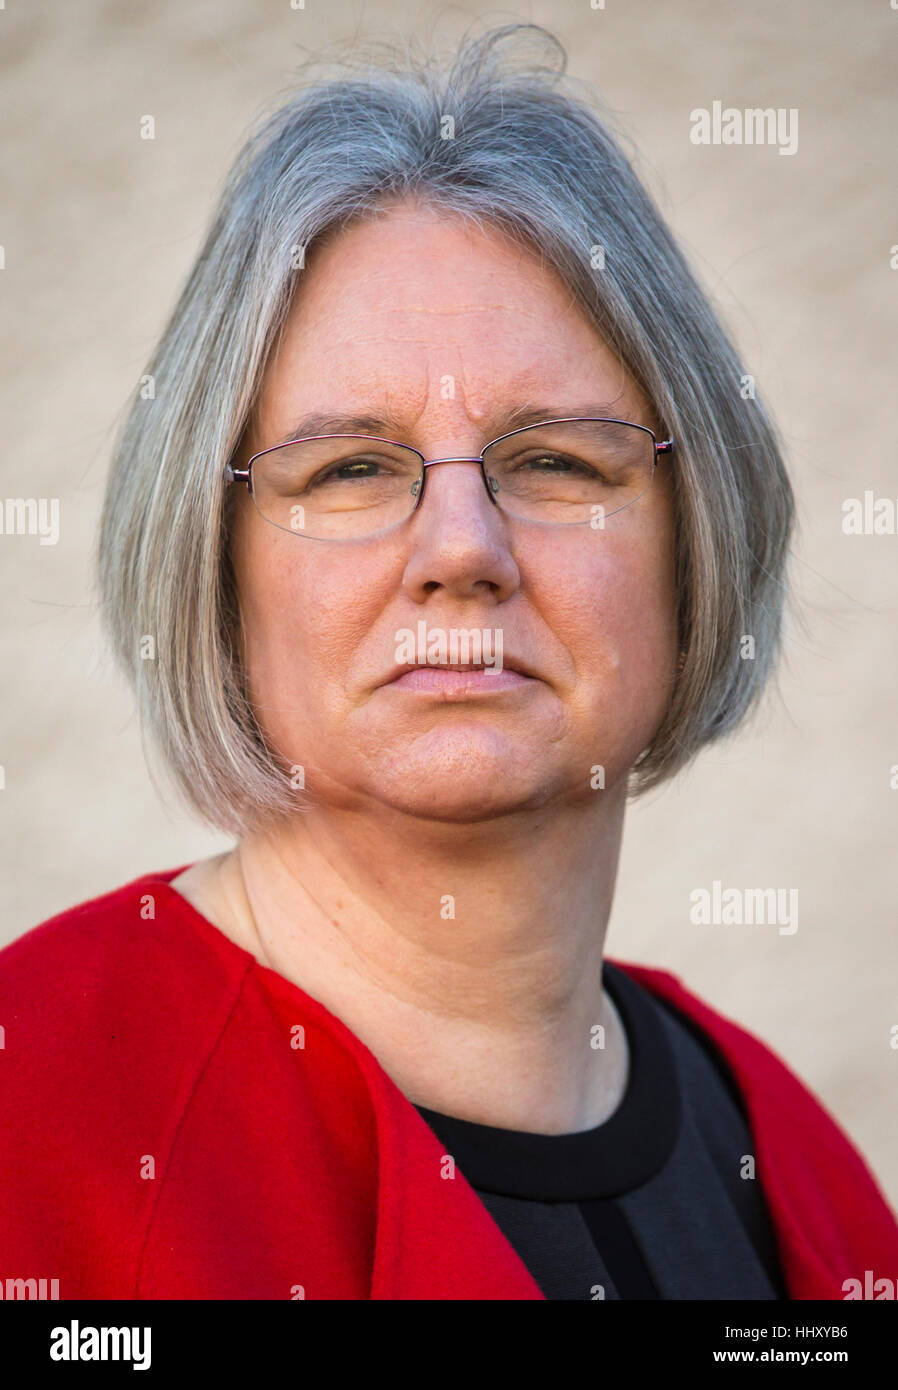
<point>440,331</point>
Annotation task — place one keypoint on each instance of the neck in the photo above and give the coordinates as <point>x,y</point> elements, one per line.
<point>466,957</point>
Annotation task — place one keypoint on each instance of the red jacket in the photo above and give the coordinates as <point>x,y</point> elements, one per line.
<point>177,1121</point>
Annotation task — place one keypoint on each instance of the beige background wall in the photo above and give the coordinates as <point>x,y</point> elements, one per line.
<point>99,228</point>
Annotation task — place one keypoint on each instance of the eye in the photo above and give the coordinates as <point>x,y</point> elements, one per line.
<point>558,463</point>
<point>348,470</point>
<point>356,468</point>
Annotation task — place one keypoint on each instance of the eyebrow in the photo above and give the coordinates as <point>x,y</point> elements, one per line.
<point>390,428</point>
<point>338,424</point>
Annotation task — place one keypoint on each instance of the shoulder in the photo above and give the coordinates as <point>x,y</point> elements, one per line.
<point>832,1218</point>
<point>718,1033</point>
<point>110,1013</point>
<point>125,978</point>
<point>766,1084</point>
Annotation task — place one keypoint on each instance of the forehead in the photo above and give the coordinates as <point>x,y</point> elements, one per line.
<point>415,307</point>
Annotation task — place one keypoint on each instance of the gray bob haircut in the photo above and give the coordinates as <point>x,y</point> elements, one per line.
<point>530,155</point>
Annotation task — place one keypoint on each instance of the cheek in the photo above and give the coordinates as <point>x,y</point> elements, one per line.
<point>613,606</point>
<point>642,614</point>
<point>302,621</point>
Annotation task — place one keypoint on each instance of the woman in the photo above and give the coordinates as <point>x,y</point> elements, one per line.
<point>436,530</point>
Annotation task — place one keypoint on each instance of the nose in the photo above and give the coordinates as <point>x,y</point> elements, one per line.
<point>452,458</point>
<point>458,537</point>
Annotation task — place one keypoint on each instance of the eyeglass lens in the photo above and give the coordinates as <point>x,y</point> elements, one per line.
<point>345,486</point>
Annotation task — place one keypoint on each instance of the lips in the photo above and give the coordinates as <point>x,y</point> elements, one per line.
<point>512,664</point>
<point>459,681</point>
<point>462,666</point>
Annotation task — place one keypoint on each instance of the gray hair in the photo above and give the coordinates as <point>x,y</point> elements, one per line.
<point>528,155</point>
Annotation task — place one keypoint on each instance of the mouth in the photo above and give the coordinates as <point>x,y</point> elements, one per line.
<point>460,682</point>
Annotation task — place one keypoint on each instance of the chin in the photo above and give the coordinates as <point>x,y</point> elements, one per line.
<point>465,804</point>
<point>464,776</point>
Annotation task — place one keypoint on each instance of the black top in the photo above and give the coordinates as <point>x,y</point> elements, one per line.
<point>651,1203</point>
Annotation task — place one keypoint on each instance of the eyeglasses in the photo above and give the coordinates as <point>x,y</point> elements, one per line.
<point>340,487</point>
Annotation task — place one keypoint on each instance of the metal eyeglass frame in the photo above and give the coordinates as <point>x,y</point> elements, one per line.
<point>244,475</point>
